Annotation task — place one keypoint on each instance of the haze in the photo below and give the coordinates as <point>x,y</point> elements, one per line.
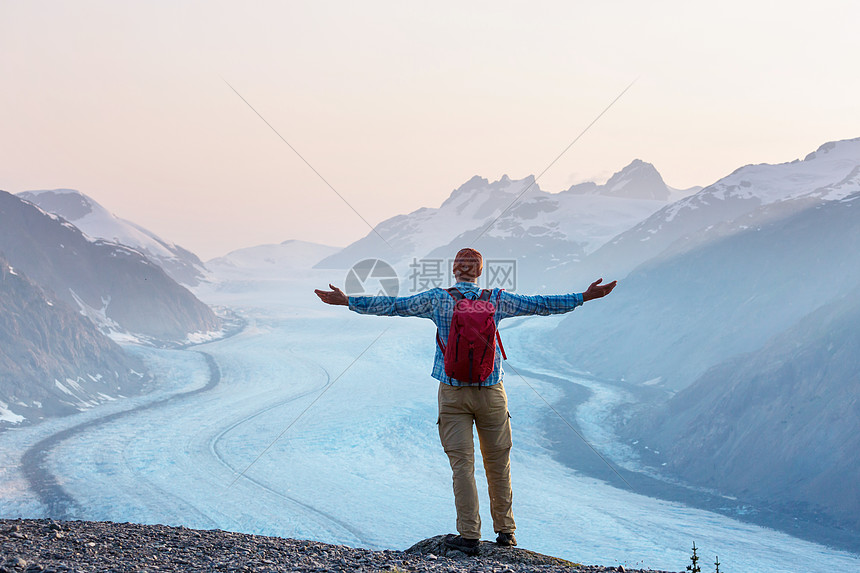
<point>398,103</point>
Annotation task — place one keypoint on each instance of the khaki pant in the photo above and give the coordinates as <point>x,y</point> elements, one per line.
<point>487,408</point>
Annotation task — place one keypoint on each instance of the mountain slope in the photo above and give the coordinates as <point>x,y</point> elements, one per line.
<point>114,285</point>
<point>53,361</point>
<point>779,424</point>
<point>672,319</point>
<point>97,222</point>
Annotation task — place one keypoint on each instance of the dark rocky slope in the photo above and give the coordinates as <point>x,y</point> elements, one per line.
<point>53,361</point>
<point>83,546</point>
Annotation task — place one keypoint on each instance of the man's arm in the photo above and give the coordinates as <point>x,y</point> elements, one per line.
<point>420,305</point>
<point>524,305</point>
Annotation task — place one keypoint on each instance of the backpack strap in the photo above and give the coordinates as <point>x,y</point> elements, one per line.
<point>458,296</point>
<point>439,342</point>
<point>455,292</point>
<point>502,348</point>
<point>485,295</point>
<point>498,337</point>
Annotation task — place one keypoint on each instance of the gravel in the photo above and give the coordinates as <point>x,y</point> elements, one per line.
<point>45,545</point>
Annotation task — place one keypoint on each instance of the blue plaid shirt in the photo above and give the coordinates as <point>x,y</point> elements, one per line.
<point>438,305</point>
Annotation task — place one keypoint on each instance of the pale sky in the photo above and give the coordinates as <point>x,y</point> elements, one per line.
<point>398,103</point>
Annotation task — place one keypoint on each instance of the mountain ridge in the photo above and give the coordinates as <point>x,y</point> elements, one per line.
<point>111,283</point>
<point>98,223</point>
<point>513,219</point>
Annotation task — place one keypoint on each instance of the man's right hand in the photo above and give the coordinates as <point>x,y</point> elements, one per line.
<point>334,296</point>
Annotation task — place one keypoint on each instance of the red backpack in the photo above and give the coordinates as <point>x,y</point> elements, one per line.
<point>471,350</point>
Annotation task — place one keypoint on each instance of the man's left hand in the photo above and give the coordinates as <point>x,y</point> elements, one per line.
<point>597,290</point>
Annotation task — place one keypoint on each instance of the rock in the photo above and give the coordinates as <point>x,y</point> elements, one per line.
<point>487,551</point>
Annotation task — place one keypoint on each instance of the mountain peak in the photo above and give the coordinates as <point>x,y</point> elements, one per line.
<point>851,146</point>
<point>639,180</point>
<point>70,204</point>
<point>478,185</point>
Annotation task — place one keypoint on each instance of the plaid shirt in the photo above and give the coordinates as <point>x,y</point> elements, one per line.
<point>438,305</point>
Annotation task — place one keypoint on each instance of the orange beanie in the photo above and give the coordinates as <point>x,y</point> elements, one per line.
<point>470,255</point>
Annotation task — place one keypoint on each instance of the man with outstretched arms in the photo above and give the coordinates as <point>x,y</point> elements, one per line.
<point>462,404</point>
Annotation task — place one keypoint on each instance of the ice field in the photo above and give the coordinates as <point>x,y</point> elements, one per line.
<point>322,426</point>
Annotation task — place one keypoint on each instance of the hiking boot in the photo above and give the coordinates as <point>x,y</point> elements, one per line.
<point>506,539</point>
<point>460,543</point>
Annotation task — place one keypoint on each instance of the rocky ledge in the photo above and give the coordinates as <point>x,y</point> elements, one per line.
<point>44,545</point>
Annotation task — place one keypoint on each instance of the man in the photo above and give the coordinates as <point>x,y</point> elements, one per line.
<point>462,404</point>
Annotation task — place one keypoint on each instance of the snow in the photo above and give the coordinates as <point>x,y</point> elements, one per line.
<point>589,220</point>
<point>831,173</point>
<point>620,185</point>
<point>101,224</point>
<point>6,415</point>
<point>73,388</point>
<point>771,183</point>
<point>123,337</point>
<point>97,315</point>
<point>201,337</point>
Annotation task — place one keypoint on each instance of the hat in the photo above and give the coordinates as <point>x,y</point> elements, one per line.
<point>471,256</point>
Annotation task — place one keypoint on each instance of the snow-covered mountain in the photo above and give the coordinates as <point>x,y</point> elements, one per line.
<point>829,173</point>
<point>639,180</point>
<point>726,288</point>
<point>515,219</point>
<point>270,260</point>
<point>114,285</point>
<point>99,223</point>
